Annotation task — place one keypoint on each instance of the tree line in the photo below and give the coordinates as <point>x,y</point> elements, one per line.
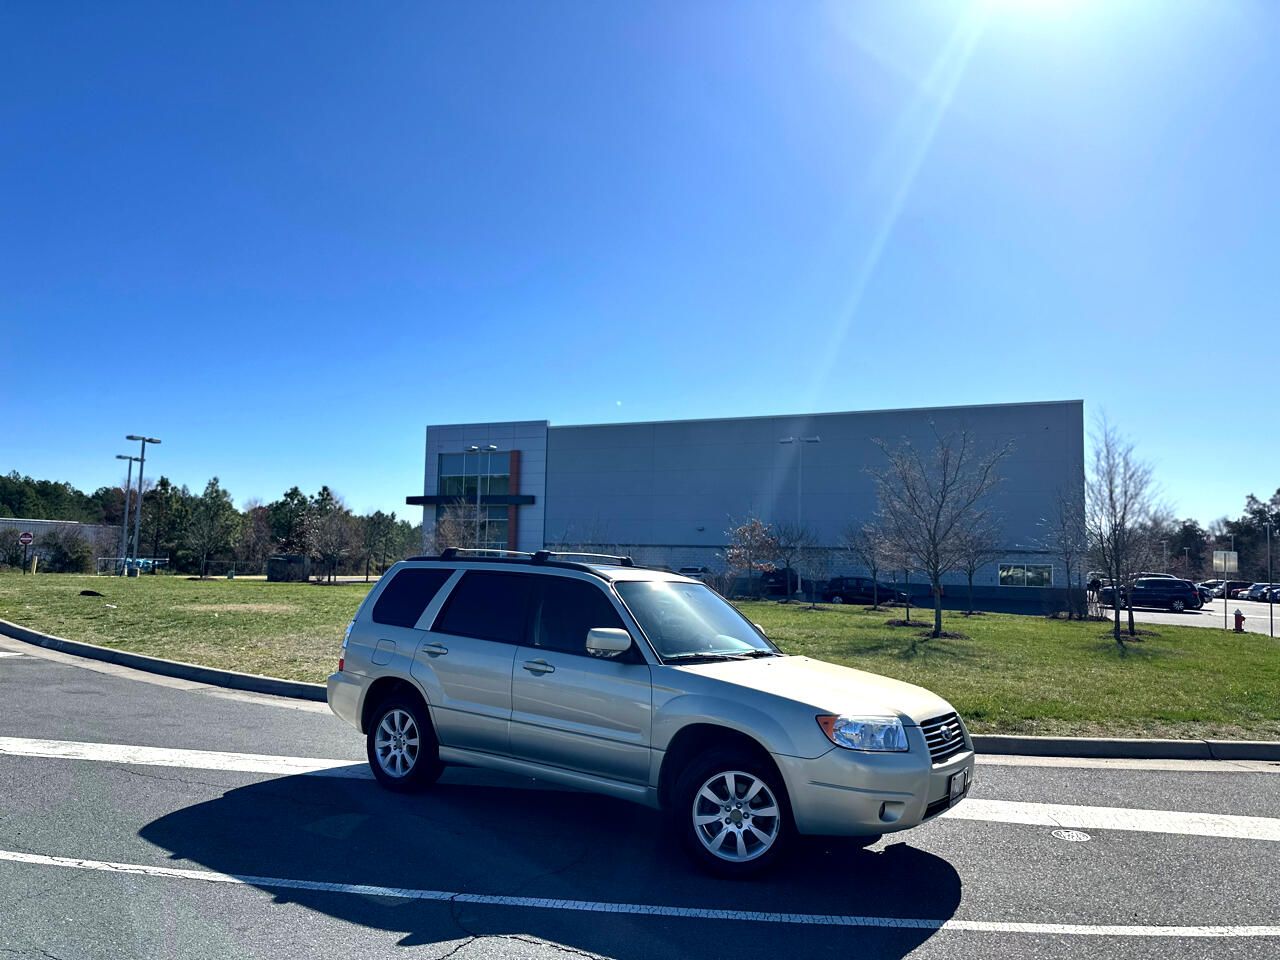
<point>194,531</point>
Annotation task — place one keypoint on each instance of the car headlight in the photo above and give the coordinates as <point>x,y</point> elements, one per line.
<point>879,734</point>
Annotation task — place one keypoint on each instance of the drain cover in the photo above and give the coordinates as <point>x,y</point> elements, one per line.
<point>1071,836</point>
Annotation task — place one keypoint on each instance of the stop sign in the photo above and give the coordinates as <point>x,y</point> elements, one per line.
<point>25,538</point>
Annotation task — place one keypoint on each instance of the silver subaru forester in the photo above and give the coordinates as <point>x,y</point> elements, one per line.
<point>598,674</point>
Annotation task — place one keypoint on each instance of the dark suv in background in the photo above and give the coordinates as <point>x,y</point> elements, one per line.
<point>1160,592</point>
<point>860,590</point>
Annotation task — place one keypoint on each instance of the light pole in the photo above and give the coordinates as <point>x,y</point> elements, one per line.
<point>800,473</point>
<point>1164,548</point>
<point>124,525</point>
<point>1186,560</point>
<point>142,462</point>
<point>1271,593</point>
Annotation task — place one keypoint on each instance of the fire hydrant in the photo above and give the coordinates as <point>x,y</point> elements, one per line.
<point>1239,621</point>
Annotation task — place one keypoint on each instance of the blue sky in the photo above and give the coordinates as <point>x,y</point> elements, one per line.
<point>285,237</point>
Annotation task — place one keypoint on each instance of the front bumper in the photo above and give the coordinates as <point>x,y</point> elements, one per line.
<point>852,793</point>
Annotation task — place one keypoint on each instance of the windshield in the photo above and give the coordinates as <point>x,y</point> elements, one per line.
<point>686,621</point>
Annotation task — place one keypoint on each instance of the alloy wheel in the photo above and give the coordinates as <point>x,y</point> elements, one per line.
<point>736,816</point>
<point>397,742</point>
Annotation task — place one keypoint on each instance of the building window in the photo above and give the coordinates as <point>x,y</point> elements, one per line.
<point>469,477</point>
<point>1026,575</point>
<point>461,473</point>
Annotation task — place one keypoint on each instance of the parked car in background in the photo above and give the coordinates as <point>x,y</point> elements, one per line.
<point>1159,576</point>
<point>1159,592</point>
<point>1258,591</point>
<point>1273,594</point>
<point>1226,587</point>
<point>1241,593</point>
<point>1206,593</point>
<point>694,573</point>
<point>860,590</point>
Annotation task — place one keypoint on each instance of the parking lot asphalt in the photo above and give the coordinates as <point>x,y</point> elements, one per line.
<point>1210,615</point>
<point>220,840</point>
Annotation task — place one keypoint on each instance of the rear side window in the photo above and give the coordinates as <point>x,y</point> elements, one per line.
<point>568,610</point>
<point>403,599</point>
<point>488,606</point>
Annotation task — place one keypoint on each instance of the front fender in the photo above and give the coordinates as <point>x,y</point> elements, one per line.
<point>783,729</point>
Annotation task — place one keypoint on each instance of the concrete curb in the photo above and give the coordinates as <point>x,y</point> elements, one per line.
<point>249,682</point>
<point>1090,747</point>
<point>1127,748</point>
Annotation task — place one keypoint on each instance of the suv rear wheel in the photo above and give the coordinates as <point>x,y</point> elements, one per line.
<point>730,810</point>
<point>1177,606</point>
<point>401,745</point>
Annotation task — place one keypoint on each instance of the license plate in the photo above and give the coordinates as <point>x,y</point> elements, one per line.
<point>959,784</point>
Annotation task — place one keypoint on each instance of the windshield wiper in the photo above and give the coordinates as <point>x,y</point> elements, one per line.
<point>708,657</point>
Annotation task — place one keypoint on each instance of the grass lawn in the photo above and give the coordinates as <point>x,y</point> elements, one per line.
<point>290,630</point>
<point>1011,674</point>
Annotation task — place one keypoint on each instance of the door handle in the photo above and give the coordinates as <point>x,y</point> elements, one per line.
<point>539,666</point>
<point>434,649</point>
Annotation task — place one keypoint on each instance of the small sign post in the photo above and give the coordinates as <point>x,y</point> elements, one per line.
<point>1224,562</point>
<point>25,539</point>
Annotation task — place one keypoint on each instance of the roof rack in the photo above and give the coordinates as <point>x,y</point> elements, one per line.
<point>448,553</point>
<point>542,556</point>
<point>577,561</point>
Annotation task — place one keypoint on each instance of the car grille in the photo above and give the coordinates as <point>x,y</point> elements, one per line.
<point>945,737</point>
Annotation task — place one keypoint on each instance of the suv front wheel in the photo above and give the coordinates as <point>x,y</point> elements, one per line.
<point>401,746</point>
<point>1178,606</point>
<point>730,809</point>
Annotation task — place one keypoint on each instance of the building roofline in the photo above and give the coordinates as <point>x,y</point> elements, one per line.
<point>781,416</point>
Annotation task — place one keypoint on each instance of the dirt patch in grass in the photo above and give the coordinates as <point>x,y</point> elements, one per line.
<point>944,635</point>
<point>237,608</point>
<point>906,623</point>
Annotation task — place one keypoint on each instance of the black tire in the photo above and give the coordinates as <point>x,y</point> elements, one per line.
<point>717,763</point>
<point>1177,606</point>
<point>421,768</point>
<point>837,599</point>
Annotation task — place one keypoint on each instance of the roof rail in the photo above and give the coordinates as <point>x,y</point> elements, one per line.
<point>542,556</point>
<point>448,553</point>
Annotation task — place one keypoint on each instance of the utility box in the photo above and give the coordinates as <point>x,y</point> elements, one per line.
<point>289,567</point>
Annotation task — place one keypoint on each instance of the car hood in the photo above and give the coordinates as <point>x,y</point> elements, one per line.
<point>827,687</point>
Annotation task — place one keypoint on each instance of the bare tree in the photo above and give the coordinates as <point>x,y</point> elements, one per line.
<point>928,500</point>
<point>979,545</point>
<point>868,545</point>
<point>333,536</point>
<point>456,526</point>
<point>792,541</point>
<point>814,564</point>
<point>1064,535</point>
<point>1118,511</point>
<point>752,548</point>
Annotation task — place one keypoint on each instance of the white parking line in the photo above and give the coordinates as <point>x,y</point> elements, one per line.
<point>994,811</point>
<point>193,759</point>
<point>1118,818</point>
<point>648,910</point>
<point>9,653</point>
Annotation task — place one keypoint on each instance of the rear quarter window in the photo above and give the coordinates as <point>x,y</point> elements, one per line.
<point>403,599</point>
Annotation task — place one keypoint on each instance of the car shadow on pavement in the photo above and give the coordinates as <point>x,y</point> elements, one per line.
<point>486,834</point>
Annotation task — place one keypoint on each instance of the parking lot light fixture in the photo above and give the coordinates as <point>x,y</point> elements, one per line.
<point>142,461</point>
<point>124,523</point>
<point>801,441</point>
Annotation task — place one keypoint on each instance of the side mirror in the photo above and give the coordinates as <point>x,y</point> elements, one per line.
<point>607,641</point>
